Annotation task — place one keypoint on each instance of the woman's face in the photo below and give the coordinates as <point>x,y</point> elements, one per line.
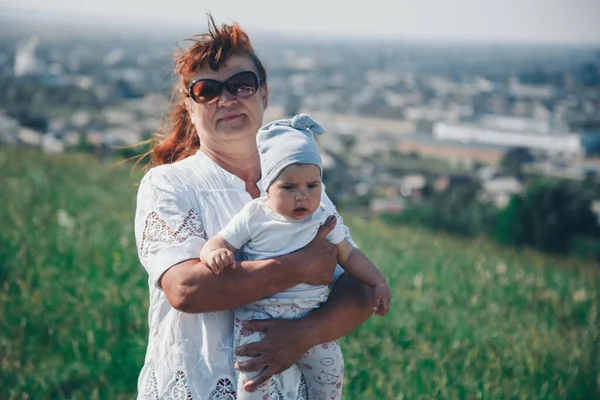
<point>228,118</point>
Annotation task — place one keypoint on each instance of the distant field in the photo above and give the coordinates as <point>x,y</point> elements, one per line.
<point>470,320</point>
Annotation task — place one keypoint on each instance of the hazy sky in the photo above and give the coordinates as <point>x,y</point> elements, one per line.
<point>564,21</point>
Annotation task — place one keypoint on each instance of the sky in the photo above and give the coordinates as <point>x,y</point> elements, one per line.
<point>552,21</point>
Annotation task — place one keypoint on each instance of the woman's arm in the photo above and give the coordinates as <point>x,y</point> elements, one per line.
<point>286,341</point>
<point>192,287</point>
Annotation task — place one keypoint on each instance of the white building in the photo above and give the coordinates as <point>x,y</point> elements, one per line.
<point>9,129</point>
<point>568,145</point>
<point>500,190</point>
<point>511,123</point>
<point>25,59</point>
<point>522,90</point>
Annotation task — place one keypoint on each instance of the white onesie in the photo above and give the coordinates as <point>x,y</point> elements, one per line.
<point>260,234</point>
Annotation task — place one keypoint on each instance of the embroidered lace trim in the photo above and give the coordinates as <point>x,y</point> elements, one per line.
<point>178,388</point>
<point>223,390</point>
<point>157,230</point>
<point>151,388</point>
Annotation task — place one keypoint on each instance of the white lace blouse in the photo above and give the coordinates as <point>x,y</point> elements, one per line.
<point>190,356</point>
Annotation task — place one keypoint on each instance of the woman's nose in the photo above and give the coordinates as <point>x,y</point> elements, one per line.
<point>226,99</point>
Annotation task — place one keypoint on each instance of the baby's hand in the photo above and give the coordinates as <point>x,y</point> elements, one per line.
<point>382,297</point>
<point>219,259</point>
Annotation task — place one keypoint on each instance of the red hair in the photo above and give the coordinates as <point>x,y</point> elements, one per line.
<point>177,138</point>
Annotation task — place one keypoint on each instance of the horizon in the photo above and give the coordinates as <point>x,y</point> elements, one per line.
<point>577,29</point>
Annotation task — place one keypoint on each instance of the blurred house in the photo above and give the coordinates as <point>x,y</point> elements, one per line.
<point>379,205</point>
<point>120,136</point>
<point>500,190</point>
<point>596,209</point>
<point>517,124</point>
<point>451,181</point>
<point>458,152</point>
<point>487,172</point>
<point>51,144</point>
<point>9,129</point>
<point>412,186</point>
<point>579,169</point>
<point>29,138</point>
<point>26,62</point>
<point>522,90</point>
<point>566,145</point>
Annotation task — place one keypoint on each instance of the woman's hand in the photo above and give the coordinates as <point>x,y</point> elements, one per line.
<point>285,342</point>
<point>317,260</point>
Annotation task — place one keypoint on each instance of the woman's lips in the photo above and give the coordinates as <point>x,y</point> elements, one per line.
<point>231,118</point>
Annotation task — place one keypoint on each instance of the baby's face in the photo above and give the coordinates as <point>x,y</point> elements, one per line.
<point>296,192</point>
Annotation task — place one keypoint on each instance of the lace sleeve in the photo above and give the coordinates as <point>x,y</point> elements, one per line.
<point>168,229</point>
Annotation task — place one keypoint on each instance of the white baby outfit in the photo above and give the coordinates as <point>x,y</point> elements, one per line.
<point>260,234</point>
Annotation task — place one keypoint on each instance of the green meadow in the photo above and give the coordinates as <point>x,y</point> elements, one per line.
<point>469,319</point>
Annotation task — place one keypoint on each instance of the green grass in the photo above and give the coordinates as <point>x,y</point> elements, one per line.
<point>469,320</point>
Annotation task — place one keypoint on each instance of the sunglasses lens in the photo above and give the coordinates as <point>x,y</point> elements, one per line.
<point>204,91</point>
<point>243,84</point>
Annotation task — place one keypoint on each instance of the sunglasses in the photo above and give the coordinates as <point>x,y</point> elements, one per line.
<point>242,85</point>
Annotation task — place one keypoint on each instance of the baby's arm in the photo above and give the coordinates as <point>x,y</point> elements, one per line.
<point>218,254</point>
<point>354,261</point>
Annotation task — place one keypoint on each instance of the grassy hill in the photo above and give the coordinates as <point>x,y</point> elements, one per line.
<point>470,320</point>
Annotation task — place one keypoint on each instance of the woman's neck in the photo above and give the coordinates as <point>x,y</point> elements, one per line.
<point>245,166</point>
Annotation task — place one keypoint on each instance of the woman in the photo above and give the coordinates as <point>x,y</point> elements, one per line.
<point>207,168</point>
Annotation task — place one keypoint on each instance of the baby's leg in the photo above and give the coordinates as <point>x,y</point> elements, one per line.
<point>243,336</point>
<point>323,370</point>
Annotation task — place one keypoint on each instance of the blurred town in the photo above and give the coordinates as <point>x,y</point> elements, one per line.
<point>403,119</point>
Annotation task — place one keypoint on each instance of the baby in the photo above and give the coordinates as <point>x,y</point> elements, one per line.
<point>284,221</point>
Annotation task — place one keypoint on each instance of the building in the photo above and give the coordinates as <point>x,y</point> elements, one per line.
<point>452,181</point>
<point>457,152</point>
<point>500,190</point>
<point>567,145</point>
<point>25,58</point>
<point>9,129</point>
<point>392,205</point>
